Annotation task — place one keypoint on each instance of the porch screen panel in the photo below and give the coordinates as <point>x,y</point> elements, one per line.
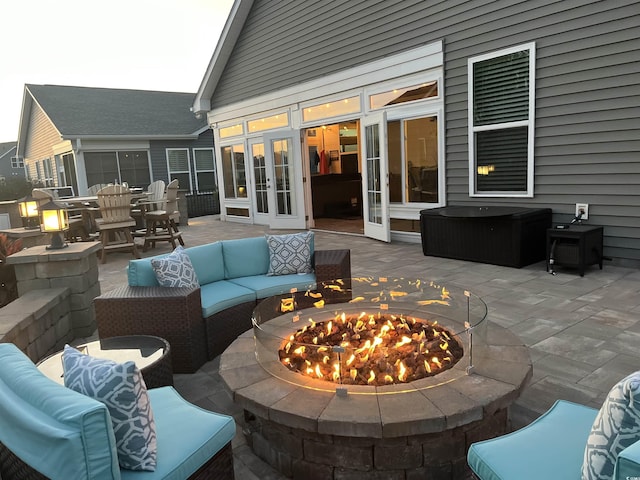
<point>101,167</point>
<point>374,183</point>
<point>134,168</point>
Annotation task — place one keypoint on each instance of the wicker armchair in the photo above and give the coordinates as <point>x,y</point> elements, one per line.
<point>176,315</point>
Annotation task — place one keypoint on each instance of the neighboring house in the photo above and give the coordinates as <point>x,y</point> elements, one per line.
<point>79,136</point>
<point>522,103</point>
<point>11,165</point>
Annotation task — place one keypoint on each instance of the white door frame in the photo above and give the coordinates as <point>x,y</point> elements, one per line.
<point>375,176</point>
<point>291,175</point>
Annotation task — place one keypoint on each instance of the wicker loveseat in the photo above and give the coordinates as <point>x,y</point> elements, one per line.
<point>200,323</point>
<point>51,431</point>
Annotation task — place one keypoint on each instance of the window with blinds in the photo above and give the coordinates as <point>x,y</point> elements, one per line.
<point>501,114</point>
<point>178,163</point>
<point>204,169</point>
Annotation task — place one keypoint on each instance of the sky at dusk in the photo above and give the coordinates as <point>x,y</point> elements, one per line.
<point>162,45</point>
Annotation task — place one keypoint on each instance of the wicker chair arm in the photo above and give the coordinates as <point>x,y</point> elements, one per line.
<point>332,264</point>
<point>174,314</point>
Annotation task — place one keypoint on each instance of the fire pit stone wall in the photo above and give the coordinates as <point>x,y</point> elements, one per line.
<point>424,432</point>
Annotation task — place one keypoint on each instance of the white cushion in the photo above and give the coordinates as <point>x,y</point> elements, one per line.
<point>175,270</point>
<point>616,427</point>
<point>121,388</point>
<point>290,253</point>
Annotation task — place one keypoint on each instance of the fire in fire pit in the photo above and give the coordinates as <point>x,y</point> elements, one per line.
<point>371,349</point>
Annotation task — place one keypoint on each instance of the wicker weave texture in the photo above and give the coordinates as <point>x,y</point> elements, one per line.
<point>225,326</point>
<point>174,314</point>
<point>219,467</point>
<point>332,265</point>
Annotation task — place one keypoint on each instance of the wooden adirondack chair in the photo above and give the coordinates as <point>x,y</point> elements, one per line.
<point>116,222</point>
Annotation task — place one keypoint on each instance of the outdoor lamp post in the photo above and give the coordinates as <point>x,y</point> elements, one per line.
<point>55,220</point>
<point>28,207</point>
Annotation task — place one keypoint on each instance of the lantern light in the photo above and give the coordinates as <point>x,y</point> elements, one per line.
<point>54,220</point>
<point>28,207</point>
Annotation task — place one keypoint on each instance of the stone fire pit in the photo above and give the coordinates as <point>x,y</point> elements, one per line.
<point>313,429</point>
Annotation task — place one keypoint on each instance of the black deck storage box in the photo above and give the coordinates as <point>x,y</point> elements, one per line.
<point>508,236</point>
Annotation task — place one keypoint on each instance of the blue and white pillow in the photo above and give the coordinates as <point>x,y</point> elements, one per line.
<point>616,427</point>
<point>175,270</point>
<point>290,253</point>
<point>121,388</point>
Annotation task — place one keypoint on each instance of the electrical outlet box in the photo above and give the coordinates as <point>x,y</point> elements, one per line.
<point>584,208</point>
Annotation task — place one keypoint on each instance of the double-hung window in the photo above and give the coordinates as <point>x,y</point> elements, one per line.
<point>178,164</point>
<point>204,169</point>
<point>501,122</point>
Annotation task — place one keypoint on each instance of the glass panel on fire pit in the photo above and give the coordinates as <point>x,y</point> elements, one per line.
<point>370,335</point>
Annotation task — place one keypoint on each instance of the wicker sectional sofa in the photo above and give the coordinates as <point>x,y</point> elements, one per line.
<point>200,323</point>
<point>50,431</point>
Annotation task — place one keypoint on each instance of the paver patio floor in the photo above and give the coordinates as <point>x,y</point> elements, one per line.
<point>583,332</point>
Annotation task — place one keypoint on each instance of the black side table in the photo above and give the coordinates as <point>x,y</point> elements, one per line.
<point>574,246</point>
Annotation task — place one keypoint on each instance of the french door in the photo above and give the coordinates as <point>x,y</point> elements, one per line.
<point>283,168</point>
<point>375,188</point>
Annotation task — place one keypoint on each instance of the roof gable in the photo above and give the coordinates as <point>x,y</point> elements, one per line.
<point>98,112</point>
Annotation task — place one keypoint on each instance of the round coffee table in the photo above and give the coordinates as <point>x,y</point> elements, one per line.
<point>152,355</point>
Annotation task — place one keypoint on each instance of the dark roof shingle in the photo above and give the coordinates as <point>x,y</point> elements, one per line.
<point>86,111</point>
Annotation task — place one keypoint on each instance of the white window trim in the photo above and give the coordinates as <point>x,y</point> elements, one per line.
<point>530,123</point>
<point>188,171</point>
<point>213,167</point>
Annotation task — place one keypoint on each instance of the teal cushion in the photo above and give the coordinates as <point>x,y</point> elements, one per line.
<point>121,388</point>
<point>266,286</point>
<point>245,257</point>
<point>616,427</point>
<point>140,272</point>
<point>175,270</point>
<point>188,436</point>
<point>61,433</point>
<point>221,295</point>
<point>628,463</point>
<point>207,261</point>
<point>552,447</point>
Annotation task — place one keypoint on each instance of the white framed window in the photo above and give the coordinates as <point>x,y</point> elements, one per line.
<point>17,162</point>
<point>48,173</point>
<point>178,167</point>
<point>501,122</point>
<point>204,169</point>
<point>234,171</point>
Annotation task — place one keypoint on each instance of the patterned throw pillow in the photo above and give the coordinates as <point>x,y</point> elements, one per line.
<point>175,270</point>
<point>616,426</point>
<point>290,253</point>
<point>121,388</point>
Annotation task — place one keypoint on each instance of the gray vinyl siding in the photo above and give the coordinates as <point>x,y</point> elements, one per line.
<point>158,153</point>
<point>587,133</point>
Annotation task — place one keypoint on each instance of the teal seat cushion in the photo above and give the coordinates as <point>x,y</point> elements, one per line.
<point>59,432</point>
<point>218,296</point>
<point>551,448</point>
<point>245,257</point>
<point>188,436</point>
<point>266,286</point>
<point>207,261</point>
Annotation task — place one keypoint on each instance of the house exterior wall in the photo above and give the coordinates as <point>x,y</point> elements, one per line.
<point>42,136</point>
<point>158,156</point>
<point>587,136</point>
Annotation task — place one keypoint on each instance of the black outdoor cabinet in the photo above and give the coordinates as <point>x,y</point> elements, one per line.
<point>508,236</point>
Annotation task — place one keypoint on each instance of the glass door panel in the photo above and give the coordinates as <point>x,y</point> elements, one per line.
<point>375,172</point>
